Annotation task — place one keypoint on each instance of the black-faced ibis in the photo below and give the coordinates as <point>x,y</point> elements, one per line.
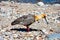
<point>27,20</point>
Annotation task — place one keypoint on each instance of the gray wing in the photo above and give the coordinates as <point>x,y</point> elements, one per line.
<point>24,20</point>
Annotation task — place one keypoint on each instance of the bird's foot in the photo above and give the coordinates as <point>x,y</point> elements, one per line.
<point>28,29</point>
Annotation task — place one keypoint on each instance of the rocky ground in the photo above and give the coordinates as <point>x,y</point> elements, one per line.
<point>9,11</point>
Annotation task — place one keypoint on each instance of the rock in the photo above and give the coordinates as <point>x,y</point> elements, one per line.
<point>56,4</point>
<point>57,19</point>
<point>54,36</point>
<point>40,3</point>
<point>1,38</point>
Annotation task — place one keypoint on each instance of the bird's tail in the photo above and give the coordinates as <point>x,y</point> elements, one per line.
<point>14,22</point>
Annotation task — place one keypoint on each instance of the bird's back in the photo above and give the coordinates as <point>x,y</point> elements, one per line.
<point>24,20</point>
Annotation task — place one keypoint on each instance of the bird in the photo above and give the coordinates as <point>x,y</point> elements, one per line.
<point>27,20</point>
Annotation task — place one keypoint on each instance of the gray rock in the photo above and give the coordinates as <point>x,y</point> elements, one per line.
<point>1,38</point>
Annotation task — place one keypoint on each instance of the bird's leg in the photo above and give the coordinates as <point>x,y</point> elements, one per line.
<point>28,29</point>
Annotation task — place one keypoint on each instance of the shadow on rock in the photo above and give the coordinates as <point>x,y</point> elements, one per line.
<point>23,29</point>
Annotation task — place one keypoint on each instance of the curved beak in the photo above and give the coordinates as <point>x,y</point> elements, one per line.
<point>46,20</point>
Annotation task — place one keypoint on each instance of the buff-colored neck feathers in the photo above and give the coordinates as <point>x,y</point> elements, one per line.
<point>37,17</point>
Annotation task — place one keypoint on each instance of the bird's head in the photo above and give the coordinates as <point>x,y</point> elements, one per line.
<point>37,17</point>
